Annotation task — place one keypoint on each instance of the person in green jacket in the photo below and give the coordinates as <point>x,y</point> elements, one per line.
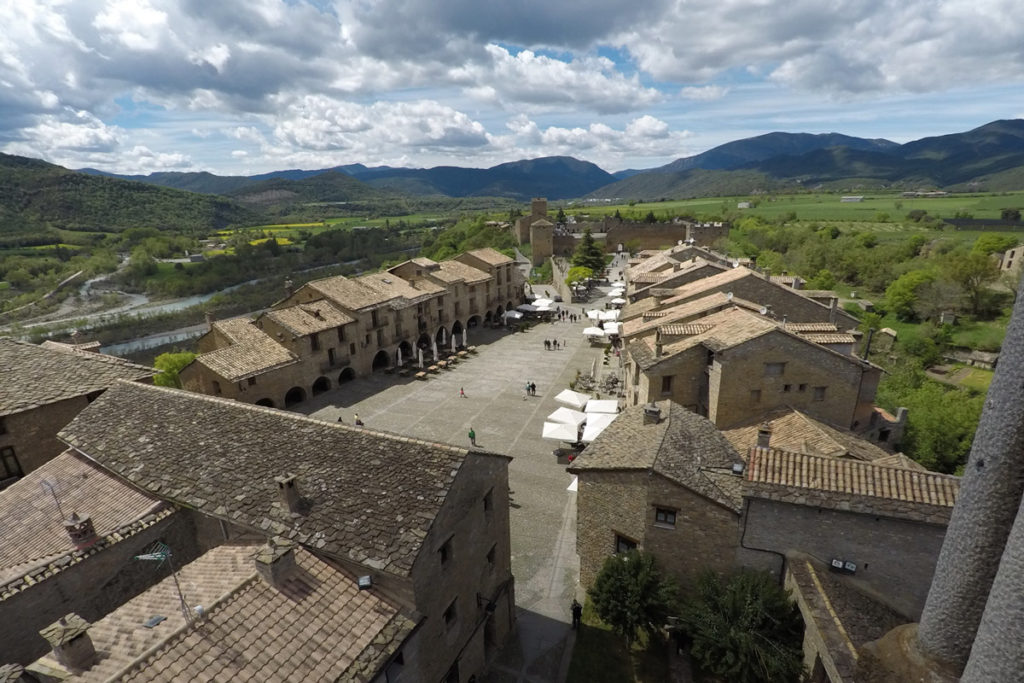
<point>472,436</point>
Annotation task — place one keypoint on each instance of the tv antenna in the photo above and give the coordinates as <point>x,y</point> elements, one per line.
<point>161,552</point>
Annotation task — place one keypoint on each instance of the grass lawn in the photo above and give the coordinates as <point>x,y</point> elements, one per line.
<point>978,380</point>
<point>985,336</point>
<point>600,656</point>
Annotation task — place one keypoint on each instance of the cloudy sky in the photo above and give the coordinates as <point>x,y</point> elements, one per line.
<point>248,86</point>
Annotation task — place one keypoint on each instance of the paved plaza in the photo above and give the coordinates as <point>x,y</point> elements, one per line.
<point>506,420</point>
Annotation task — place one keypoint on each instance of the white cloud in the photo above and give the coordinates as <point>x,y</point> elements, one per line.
<point>704,93</point>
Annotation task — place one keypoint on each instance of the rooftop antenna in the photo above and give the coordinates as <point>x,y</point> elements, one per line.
<point>161,552</point>
<point>52,487</point>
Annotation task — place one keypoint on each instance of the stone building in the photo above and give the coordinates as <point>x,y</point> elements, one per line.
<point>41,390</point>
<point>392,554</point>
<point>777,299</point>
<point>333,330</point>
<point>734,364</point>
<point>538,211</point>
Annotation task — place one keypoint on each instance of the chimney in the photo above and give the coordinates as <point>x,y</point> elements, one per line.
<point>764,435</point>
<point>275,561</point>
<point>289,287</point>
<point>833,306</point>
<point>209,321</point>
<point>657,344</point>
<point>72,646</point>
<point>652,414</point>
<point>81,531</point>
<point>901,415</point>
<point>288,491</point>
<point>767,274</point>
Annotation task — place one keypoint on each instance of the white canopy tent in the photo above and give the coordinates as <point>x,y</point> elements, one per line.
<point>609,315</point>
<point>573,399</point>
<point>617,292</point>
<point>593,332</point>
<point>526,308</point>
<point>596,423</point>
<point>618,301</point>
<point>541,303</point>
<point>559,431</point>
<point>594,314</point>
<point>608,406</point>
<point>567,416</point>
<point>514,315</point>
<point>612,327</point>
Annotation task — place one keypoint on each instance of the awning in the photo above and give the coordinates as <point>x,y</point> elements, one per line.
<point>559,431</point>
<point>594,314</point>
<point>609,315</point>
<point>540,303</point>
<point>609,406</point>
<point>612,328</point>
<point>593,332</point>
<point>567,416</point>
<point>596,423</point>
<point>573,399</point>
<point>526,308</point>
<point>515,315</point>
<point>618,301</point>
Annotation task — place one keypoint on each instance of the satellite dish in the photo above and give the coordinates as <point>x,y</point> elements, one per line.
<point>764,310</point>
<point>728,296</point>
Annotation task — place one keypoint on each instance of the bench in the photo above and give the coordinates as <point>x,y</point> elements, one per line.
<point>404,372</point>
<point>463,354</point>
<point>471,349</point>
<point>421,375</point>
<point>432,368</point>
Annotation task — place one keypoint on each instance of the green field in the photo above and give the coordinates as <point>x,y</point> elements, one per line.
<point>819,207</point>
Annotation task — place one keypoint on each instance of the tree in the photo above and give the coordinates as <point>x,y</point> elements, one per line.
<point>973,271</point>
<point>588,254</point>
<point>992,243</point>
<point>1011,215</point>
<point>578,274</point>
<point>631,595</point>
<point>824,279</point>
<point>745,629</point>
<point>901,296</point>
<point>560,217</point>
<point>650,218</point>
<point>169,365</point>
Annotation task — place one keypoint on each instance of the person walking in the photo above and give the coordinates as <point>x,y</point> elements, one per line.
<point>462,392</point>
<point>577,613</point>
<point>359,423</point>
<point>472,437</point>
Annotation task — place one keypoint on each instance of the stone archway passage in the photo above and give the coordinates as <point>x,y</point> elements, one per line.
<point>321,385</point>
<point>382,360</point>
<point>294,396</point>
<point>347,375</point>
<point>265,402</point>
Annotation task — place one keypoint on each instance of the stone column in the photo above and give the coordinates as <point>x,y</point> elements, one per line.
<point>990,495</point>
<point>998,654</point>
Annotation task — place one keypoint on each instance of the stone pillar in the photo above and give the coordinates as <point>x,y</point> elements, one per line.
<point>990,495</point>
<point>997,654</point>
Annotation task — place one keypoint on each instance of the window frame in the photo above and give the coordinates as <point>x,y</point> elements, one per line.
<point>664,517</point>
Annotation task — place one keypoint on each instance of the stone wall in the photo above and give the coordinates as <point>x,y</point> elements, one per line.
<point>472,571</point>
<point>608,504</point>
<point>33,433</point>
<point>895,557</point>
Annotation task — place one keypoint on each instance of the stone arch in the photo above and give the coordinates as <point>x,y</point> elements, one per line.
<point>474,320</point>
<point>499,311</point>
<point>382,360</point>
<point>265,402</point>
<point>321,385</point>
<point>295,395</point>
<point>509,306</point>
<point>407,352</point>
<point>347,375</point>
<point>441,336</point>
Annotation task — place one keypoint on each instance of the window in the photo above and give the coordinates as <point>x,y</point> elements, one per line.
<point>623,544</point>
<point>664,517</point>
<point>252,381</point>
<point>330,356</point>
<point>755,395</point>
<point>3,427</point>
<point>450,614</point>
<point>380,337</point>
<point>883,435</point>
<point>367,339</point>
<point>774,369</point>
<point>803,387</point>
<point>314,342</point>
<point>456,308</point>
<point>9,465</point>
<point>819,393</point>
<point>666,384</point>
<point>491,555</point>
<point>374,318</point>
<point>341,334</point>
<point>216,388</point>
<point>786,388</point>
<point>489,501</point>
<point>352,349</point>
<point>445,552</point>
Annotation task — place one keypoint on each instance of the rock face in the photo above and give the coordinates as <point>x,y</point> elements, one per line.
<point>990,498</point>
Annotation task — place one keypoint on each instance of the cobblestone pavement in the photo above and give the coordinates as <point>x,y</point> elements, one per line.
<point>543,516</point>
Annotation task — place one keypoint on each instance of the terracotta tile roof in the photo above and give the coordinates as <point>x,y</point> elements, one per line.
<point>684,330</point>
<point>85,347</point>
<point>32,528</point>
<point>317,627</point>
<point>707,284</point>
<point>842,476</point>
<point>34,376</point>
<point>683,447</point>
<point>398,292</point>
<point>253,352</point>
<point>726,329</point>
<point>372,496</point>
<point>491,256</point>
<point>303,319</point>
<point>900,460</point>
<point>352,295</point>
<point>798,432</point>
<point>802,328</point>
<point>679,313</point>
<point>457,270</point>
<point>823,339</point>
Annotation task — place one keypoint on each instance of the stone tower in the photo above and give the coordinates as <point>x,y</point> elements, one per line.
<point>542,240</point>
<point>539,208</point>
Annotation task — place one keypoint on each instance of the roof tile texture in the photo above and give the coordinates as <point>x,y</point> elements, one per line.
<point>369,497</point>
<point>34,376</point>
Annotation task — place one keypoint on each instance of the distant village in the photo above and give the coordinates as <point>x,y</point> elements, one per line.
<point>218,532</point>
